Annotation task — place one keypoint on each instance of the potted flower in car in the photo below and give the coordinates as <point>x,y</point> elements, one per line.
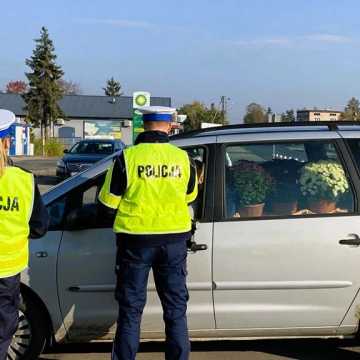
<point>252,184</point>
<point>322,184</point>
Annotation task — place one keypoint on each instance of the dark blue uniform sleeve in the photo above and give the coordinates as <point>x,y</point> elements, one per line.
<point>192,180</point>
<point>39,221</point>
<point>119,178</point>
<point>117,187</point>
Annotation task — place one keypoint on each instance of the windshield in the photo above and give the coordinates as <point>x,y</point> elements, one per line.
<point>90,147</point>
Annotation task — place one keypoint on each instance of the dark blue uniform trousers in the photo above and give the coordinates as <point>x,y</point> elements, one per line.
<point>9,311</point>
<point>169,268</point>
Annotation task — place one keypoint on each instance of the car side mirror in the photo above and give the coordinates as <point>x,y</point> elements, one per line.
<point>66,151</point>
<point>81,218</point>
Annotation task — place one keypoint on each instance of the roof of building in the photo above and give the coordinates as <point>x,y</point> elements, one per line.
<point>85,106</point>
<point>319,110</point>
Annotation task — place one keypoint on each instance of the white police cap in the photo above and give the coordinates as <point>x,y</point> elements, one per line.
<point>157,113</point>
<point>7,118</point>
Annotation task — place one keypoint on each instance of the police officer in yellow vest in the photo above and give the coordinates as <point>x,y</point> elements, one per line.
<point>22,214</point>
<point>149,186</point>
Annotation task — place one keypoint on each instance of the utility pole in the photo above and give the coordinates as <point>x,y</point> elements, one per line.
<point>224,105</point>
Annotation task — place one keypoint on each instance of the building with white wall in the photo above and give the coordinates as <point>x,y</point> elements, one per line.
<point>318,115</point>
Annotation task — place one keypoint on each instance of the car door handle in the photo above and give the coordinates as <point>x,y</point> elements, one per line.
<point>354,241</point>
<point>41,254</point>
<point>198,247</point>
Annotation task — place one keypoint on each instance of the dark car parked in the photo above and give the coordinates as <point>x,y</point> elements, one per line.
<point>84,154</point>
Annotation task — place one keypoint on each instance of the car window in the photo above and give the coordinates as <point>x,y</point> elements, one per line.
<point>91,194</point>
<point>85,197</point>
<point>87,147</point>
<point>354,145</point>
<point>285,179</point>
<point>86,194</point>
<point>56,212</point>
<point>118,145</point>
<point>104,148</point>
<point>197,154</point>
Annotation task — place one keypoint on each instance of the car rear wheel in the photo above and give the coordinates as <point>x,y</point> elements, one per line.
<point>32,333</point>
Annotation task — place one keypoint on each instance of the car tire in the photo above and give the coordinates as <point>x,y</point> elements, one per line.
<point>31,336</point>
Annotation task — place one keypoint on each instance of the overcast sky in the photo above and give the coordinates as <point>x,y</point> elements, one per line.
<point>282,54</point>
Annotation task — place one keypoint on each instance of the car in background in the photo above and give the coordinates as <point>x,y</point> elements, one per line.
<point>84,154</point>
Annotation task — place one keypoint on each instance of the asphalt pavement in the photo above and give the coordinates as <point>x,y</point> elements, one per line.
<point>38,165</point>
<point>225,350</point>
<point>43,168</point>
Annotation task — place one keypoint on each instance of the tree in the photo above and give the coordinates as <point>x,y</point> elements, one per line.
<point>44,90</point>
<point>113,88</point>
<point>69,87</point>
<point>255,114</point>
<point>16,87</point>
<point>288,116</point>
<point>352,110</point>
<point>198,113</point>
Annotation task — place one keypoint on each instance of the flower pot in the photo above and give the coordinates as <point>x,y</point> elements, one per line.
<point>284,208</point>
<point>322,206</point>
<point>252,210</point>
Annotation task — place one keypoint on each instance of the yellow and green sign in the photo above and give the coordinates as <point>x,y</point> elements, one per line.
<point>140,98</point>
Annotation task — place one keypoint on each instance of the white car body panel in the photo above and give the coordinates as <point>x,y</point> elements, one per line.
<point>289,273</point>
<point>41,277</point>
<point>87,262</point>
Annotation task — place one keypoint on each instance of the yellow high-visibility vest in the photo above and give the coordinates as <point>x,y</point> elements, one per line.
<point>156,199</point>
<point>16,203</point>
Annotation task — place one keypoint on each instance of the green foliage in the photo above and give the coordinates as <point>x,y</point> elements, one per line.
<point>52,148</point>
<point>288,116</point>
<point>198,113</point>
<point>255,114</point>
<point>323,180</point>
<point>251,182</point>
<point>44,91</point>
<point>113,88</point>
<point>352,110</point>
<point>37,147</point>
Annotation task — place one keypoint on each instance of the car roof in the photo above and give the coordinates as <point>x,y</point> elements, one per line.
<point>100,140</point>
<point>324,126</point>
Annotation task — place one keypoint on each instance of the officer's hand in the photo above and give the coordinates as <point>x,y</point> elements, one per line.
<point>193,227</point>
<point>189,243</point>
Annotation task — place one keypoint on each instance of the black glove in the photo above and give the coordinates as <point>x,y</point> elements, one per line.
<point>189,243</point>
<point>193,227</point>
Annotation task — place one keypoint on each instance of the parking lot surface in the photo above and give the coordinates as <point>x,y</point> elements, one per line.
<point>38,165</point>
<point>224,350</point>
<point>43,168</point>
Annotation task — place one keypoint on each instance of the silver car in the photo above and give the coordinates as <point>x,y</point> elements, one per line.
<point>278,221</point>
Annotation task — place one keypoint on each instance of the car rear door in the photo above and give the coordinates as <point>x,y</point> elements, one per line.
<point>277,273</point>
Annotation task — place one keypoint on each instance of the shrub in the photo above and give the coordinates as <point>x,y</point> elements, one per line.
<point>52,147</point>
